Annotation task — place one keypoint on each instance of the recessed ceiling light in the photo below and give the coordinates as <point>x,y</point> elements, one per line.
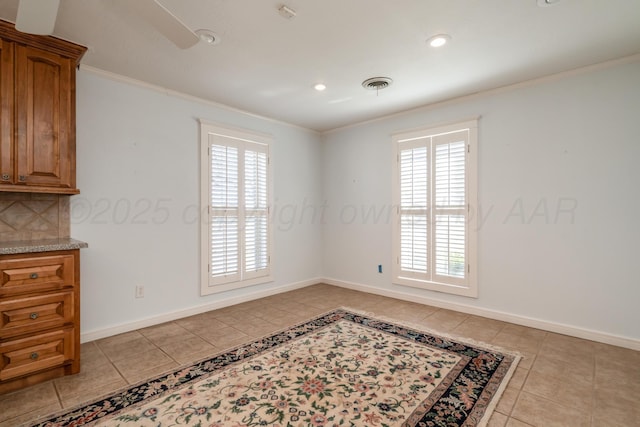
<point>208,37</point>
<point>320,87</point>
<point>438,40</point>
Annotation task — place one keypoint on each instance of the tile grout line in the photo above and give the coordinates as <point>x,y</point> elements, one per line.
<point>161,349</point>
<point>209,342</point>
<point>524,381</point>
<point>58,394</point>
<point>593,391</point>
<point>113,364</point>
<point>95,344</point>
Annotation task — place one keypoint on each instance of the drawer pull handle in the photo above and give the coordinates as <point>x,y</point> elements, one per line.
<point>34,355</point>
<point>34,316</point>
<point>5,177</point>
<point>22,178</point>
<point>34,275</point>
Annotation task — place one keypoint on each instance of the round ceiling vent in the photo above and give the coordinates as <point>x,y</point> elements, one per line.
<point>377,83</point>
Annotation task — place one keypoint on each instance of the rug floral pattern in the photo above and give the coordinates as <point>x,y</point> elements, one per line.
<point>341,369</point>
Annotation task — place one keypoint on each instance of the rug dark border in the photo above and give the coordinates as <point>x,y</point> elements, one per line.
<point>486,368</point>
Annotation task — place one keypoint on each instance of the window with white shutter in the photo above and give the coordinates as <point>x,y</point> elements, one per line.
<point>435,192</point>
<point>236,191</point>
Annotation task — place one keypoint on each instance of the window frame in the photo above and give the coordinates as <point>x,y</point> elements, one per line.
<point>244,140</point>
<point>429,279</point>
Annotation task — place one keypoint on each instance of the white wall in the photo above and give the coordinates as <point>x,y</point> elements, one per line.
<point>558,190</point>
<point>559,143</point>
<point>138,172</point>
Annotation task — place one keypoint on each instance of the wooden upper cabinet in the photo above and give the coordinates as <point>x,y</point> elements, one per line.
<point>7,152</point>
<point>37,94</point>
<point>43,113</point>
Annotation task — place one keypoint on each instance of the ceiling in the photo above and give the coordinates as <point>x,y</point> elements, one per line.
<point>267,65</point>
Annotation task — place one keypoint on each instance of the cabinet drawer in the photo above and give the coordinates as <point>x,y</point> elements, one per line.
<point>36,274</point>
<point>36,313</point>
<point>29,355</point>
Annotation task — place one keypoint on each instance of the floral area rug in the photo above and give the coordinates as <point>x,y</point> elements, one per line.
<point>343,368</point>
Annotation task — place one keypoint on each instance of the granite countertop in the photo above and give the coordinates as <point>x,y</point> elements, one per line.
<point>44,245</point>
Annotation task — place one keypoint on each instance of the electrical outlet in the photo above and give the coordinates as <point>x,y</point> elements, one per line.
<point>139,291</point>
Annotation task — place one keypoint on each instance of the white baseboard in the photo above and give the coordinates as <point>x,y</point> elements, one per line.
<point>545,325</point>
<point>174,315</point>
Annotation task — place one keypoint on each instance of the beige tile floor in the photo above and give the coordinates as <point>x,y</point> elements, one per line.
<point>562,381</point>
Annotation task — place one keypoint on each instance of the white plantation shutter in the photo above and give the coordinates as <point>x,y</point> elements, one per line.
<point>414,193</point>
<point>224,213</point>
<point>256,213</point>
<point>236,237</point>
<point>450,206</point>
<point>434,185</point>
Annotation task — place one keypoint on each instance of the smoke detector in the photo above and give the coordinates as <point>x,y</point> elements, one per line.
<point>377,83</point>
<point>208,37</point>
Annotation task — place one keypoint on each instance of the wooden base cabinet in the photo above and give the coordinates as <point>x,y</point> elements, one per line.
<point>39,317</point>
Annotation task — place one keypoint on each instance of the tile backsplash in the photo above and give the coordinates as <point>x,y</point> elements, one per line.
<point>28,216</point>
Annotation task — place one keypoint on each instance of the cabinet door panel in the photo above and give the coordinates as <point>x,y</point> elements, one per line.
<point>7,154</point>
<point>43,83</point>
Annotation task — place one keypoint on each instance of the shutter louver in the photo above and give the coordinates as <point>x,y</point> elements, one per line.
<point>449,174</point>
<point>414,180</point>
<point>225,259</point>
<point>450,245</point>
<point>450,212</point>
<point>224,245</point>
<point>256,243</point>
<point>256,211</point>
<point>224,177</point>
<point>413,243</point>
